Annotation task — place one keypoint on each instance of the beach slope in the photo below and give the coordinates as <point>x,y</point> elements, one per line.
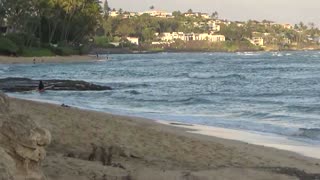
<point>94,145</point>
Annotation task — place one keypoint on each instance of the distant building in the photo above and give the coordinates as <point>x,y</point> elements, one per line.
<point>197,14</point>
<point>190,14</point>
<point>114,13</point>
<point>287,26</point>
<point>133,14</point>
<point>205,15</point>
<point>258,41</point>
<point>170,37</point>
<point>239,23</point>
<point>213,26</point>
<point>133,40</point>
<point>156,13</point>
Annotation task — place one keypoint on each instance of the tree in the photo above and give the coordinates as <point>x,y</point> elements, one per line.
<point>106,7</point>
<point>120,11</point>
<point>190,11</point>
<point>176,14</point>
<point>311,25</point>
<point>50,21</point>
<point>125,29</point>
<point>215,15</point>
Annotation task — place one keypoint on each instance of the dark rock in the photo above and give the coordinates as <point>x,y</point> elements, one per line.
<point>25,84</point>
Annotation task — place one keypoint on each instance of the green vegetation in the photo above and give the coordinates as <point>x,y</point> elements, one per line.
<point>7,46</point>
<point>66,27</point>
<point>37,26</point>
<point>37,52</point>
<point>238,34</point>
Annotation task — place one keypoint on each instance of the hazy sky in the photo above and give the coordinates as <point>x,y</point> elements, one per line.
<point>291,11</point>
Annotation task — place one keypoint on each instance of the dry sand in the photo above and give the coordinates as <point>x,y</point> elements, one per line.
<point>150,151</point>
<point>51,59</point>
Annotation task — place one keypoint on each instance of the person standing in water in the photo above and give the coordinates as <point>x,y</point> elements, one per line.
<point>41,86</point>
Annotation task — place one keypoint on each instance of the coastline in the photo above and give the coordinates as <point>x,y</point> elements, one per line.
<point>92,57</point>
<point>267,140</point>
<point>253,138</point>
<point>49,59</point>
<point>161,149</point>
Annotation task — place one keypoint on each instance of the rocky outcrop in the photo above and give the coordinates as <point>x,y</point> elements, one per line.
<point>25,84</point>
<point>22,146</point>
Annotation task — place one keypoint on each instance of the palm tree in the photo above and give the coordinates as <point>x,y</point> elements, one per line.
<point>106,7</point>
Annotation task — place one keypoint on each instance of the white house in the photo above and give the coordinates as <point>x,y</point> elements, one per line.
<point>155,13</point>
<point>170,37</point>
<point>287,26</point>
<point>258,41</point>
<point>213,26</point>
<point>205,15</point>
<point>133,40</point>
<point>114,13</point>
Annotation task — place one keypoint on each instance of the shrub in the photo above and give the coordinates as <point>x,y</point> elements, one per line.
<point>8,47</point>
<point>37,52</point>
<point>101,41</point>
<point>64,51</point>
<point>84,49</point>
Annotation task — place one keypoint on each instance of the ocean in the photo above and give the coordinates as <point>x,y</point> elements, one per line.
<point>276,93</point>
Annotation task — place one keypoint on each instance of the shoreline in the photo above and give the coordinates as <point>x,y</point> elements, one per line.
<point>161,151</point>
<point>253,138</point>
<point>102,53</point>
<point>267,140</point>
<point>48,59</point>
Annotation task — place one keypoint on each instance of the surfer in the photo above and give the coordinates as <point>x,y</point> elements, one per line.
<point>40,86</point>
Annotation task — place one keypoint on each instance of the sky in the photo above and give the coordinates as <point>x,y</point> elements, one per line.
<point>281,11</point>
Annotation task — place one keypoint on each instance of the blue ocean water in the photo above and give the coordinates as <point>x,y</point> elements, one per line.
<point>267,92</point>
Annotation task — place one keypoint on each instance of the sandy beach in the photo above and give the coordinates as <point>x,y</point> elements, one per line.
<point>147,150</point>
<point>51,59</point>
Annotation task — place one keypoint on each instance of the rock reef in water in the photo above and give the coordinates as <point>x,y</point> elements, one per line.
<point>25,84</point>
<point>22,145</point>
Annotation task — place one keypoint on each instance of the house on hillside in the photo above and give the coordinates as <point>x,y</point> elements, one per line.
<point>170,37</point>
<point>114,13</point>
<point>157,13</point>
<point>197,14</point>
<point>213,26</point>
<point>258,41</point>
<point>239,23</point>
<point>205,15</point>
<point>167,36</point>
<point>199,24</point>
<point>287,26</point>
<point>133,40</point>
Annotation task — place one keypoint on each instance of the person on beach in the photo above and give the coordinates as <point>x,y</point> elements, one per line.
<point>41,86</point>
<point>34,61</point>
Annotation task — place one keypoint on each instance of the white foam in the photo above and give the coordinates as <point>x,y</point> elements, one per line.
<point>269,140</point>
